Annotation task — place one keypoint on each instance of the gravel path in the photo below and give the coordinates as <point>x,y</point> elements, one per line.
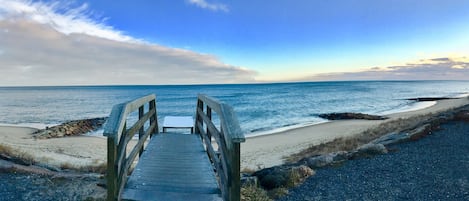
<point>32,187</point>
<point>433,168</point>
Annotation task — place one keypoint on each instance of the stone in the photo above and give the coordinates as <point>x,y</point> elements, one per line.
<point>303,171</point>
<point>391,138</point>
<point>340,156</point>
<point>319,161</point>
<point>283,176</point>
<point>71,128</point>
<point>249,180</point>
<point>369,150</point>
<point>420,132</point>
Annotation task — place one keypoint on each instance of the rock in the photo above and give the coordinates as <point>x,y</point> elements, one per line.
<point>349,115</point>
<point>319,161</point>
<point>420,132</point>
<point>283,176</point>
<point>303,172</point>
<point>247,179</point>
<point>462,116</point>
<point>391,138</point>
<point>369,150</point>
<point>325,159</point>
<point>429,99</point>
<point>77,127</point>
<point>340,156</point>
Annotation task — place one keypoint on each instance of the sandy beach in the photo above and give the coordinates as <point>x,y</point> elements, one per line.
<point>270,150</point>
<point>257,152</point>
<point>76,152</point>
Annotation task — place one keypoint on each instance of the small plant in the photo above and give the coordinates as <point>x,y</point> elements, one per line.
<point>278,192</point>
<point>254,193</point>
<point>248,170</point>
<point>19,156</point>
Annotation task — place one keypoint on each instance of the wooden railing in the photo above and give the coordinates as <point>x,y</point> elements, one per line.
<point>225,156</point>
<point>118,137</point>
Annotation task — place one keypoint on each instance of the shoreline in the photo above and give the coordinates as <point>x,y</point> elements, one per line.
<point>260,151</point>
<point>270,150</point>
<point>414,106</point>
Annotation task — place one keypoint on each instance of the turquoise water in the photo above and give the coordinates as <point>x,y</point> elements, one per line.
<point>260,107</point>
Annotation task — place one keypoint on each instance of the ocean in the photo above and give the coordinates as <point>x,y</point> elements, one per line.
<point>261,108</point>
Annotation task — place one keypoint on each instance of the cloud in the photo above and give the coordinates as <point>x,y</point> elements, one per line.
<point>210,6</point>
<point>61,16</point>
<point>49,52</point>
<point>428,69</point>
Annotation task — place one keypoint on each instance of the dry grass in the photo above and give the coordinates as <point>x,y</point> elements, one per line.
<point>16,155</point>
<point>351,143</point>
<point>248,170</point>
<point>254,193</point>
<point>276,193</point>
<point>27,159</point>
<point>99,168</point>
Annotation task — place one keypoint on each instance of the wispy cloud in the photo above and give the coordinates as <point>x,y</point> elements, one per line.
<point>61,16</point>
<point>429,69</point>
<point>42,44</point>
<point>210,6</point>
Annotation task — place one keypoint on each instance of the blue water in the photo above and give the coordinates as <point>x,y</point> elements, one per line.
<point>260,107</point>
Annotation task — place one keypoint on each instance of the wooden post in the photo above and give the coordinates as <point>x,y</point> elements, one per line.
<point>200,105</point>
<point>209,115</point>
<point>111,169</point>
<point>153,119</point>
<point>141,131</point>
<point>235,187</point>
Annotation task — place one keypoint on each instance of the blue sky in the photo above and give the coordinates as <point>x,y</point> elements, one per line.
<point>279,40</point>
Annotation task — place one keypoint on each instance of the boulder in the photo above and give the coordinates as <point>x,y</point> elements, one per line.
<point>340,156</point>
<point>249,180</point>
<point>283,176</point>
<point>420,132</point>
<point>369,150</point>
<point>391,138</point>
<point>325,159</point>
<point>319,161</point>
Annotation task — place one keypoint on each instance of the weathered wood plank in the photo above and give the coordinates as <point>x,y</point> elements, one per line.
<point>164,196</point>
<point>173,167</point>
<point>114,125</point>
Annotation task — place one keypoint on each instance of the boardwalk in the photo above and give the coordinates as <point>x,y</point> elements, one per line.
<point>200,166</point>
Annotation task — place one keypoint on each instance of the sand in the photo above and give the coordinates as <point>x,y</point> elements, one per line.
<point>270,150</point>
<point>79,151</point>
<point>257,152</point>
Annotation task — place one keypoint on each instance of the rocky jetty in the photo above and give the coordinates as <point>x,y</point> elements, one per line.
<point>351,115</point>
<point>429,99</point>
<point>71,128</point>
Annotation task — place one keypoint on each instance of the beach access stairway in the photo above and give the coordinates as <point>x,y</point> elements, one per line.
<point>173,166</point>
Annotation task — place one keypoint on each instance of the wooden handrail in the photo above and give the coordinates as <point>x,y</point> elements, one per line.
<point>228,137</point>
<point>118,136</point>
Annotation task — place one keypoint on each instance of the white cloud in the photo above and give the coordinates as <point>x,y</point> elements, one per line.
<point>46,47</point>
<point>72,20</point>
<point>210,6</point>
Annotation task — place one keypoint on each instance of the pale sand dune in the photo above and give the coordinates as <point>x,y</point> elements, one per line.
<point>260,151</point>
<point>269,150</point>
